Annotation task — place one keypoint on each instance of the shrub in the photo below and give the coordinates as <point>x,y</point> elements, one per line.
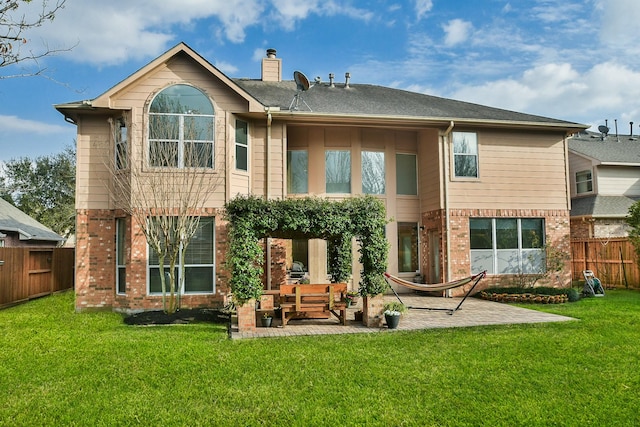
<point>573,295</point>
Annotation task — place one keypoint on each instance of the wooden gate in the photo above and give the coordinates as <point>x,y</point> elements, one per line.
<point>27,273</point>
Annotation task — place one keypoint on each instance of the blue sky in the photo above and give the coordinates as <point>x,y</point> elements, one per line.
<point>572,60</point>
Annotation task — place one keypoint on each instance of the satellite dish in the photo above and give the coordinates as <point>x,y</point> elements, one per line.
<point>302,82</point>
<point>603,129</point>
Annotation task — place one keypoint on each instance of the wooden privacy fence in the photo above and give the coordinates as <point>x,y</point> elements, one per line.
<point>613,261</point>
<point>27,273</point>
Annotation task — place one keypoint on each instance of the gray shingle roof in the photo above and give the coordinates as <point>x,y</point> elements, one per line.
<point>365,99</point>
<point>602,206</point>
<point>613,149</point>
<point>14,220</point>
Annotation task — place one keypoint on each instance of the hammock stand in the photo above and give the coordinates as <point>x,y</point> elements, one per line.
<point>436,287</point>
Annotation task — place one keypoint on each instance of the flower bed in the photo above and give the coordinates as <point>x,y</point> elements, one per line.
<point>524,298</point>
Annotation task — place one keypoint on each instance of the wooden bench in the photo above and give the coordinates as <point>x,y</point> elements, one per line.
<point>313,302</point>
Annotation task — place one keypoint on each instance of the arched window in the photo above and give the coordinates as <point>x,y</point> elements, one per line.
<point>181,122</point>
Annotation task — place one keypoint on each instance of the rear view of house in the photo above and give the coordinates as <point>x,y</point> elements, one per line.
<point>468,187</point>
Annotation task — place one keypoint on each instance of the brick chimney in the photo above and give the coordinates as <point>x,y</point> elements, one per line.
<point>271,67</point>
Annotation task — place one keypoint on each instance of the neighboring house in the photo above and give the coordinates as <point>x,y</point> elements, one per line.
<point>19,229</point>
<point>467,187</point>
<point>604,172</point>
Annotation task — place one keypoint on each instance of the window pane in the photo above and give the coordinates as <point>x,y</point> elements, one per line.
<point>241,132</point>
<point>406,175</point>
<point>241,157</point>
<point>465,154</point>
<point>532,233</point>
<point>533,261</point>
<point>198,128</point>
<point>373,181</point>
<point>120,240</point>
<point>338,171</point>
<point>408,247</point>
<point>155,286</point>
<point>198,155</point>
<point>200,249</point>
<point>181,99</point>
<point>164,127</point>
<point>507,233</point>
<point>163,153</point>
<point>584,183</point>
<point>480,233</point>
<point>482,260</point>
<point>297,173</point>
<point>198,279</point>
<point>122,280</point>
<point>508,261</point>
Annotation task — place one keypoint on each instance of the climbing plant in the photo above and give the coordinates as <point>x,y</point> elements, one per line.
<point>253,218</point>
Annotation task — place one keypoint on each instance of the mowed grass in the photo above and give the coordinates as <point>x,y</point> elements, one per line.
<point>58,367</point>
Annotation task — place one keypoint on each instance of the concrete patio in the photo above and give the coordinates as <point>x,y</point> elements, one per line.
<point>474,312</point>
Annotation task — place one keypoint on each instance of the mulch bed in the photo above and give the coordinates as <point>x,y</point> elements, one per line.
<point>183,316</point>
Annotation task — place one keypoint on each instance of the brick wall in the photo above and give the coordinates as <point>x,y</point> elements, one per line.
<point>96,268</point>
<point>557,234</point>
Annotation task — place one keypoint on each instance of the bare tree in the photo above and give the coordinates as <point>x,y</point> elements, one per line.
<point>14,23</point>
<point>165,192</point>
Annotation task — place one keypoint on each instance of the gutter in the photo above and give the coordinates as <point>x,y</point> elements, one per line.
<point>266,192</point>
<point>445,188</point>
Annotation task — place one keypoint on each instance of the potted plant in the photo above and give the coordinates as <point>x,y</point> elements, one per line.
<point>266,320</point>
<point>351,298</point>
<point>392,312</point>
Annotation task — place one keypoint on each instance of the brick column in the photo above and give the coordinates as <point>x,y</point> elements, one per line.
<point>247,316</point>
<point>372,311</point>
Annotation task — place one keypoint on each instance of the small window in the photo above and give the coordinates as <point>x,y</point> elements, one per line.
<point>338,171</point>
<point>121,147</point>
<point>584,182</point>
<point>406,175</point>
<point>297,172</point>
<point>465,154</point>
<point>373,176</point>
<point>408,247</point>
<point>242,146</point>
<point>121,269</point>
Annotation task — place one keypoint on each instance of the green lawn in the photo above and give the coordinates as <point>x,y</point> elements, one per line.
<point>62,368</point>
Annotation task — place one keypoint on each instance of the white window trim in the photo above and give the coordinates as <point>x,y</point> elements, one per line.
<point>586,181</point>
<point>452,165</point>
<point>236,144</point>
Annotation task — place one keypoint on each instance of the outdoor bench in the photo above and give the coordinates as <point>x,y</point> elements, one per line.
<point>316,301</point>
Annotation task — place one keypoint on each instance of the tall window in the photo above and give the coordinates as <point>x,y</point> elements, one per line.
<point>297,172</point>
<point>181,121</point>
<point>406,175</point>
<point>507,245</point>
<point>338,171</point>
<point>121,144</point>
<point>584,182</point>
<point>242,146</point>
<point>465,154</point>
<point>408,247</point>
<point>199,262</point>
<point>121,269</point>
<point>373,181</point>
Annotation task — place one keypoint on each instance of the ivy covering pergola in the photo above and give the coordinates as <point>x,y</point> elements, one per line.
<point>253,218</point>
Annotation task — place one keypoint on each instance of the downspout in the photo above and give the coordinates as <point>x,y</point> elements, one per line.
<point>266,192</point>
<point>446,172</point>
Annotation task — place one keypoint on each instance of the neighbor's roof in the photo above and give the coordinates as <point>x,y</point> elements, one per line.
<point>371,100</point>
<point>14,220</point>
<point>602,206</point>
<point>621,150</point>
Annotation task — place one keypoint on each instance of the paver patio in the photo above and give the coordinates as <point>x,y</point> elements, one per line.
<point>474,312</point>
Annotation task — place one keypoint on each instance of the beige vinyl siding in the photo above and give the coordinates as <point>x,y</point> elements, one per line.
<point>618,180</point>
<point>516,171</point>
<point>430,170</point>
<point>93,159</point>
<point>579,164</point>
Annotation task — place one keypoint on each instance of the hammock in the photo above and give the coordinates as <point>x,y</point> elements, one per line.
<point>436,287</point>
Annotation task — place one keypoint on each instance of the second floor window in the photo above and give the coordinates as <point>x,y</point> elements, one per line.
<point>338,171</point>
<point>297,172</point>
<point>373,172</point>
<point>120,133</point>
<point>465,154</point>
<point>406,175</point>
<point>181,122</point>
<point>584,182</point>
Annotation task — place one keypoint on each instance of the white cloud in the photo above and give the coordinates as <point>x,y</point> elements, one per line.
<point>14,124</point>
<point>619,22</point>
<point>289,12</point>
<point>423,7</point>
<point>559,90</point>
<point>456,31</point>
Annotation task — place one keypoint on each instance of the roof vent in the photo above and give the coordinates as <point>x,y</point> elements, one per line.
<point>347,77</point>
